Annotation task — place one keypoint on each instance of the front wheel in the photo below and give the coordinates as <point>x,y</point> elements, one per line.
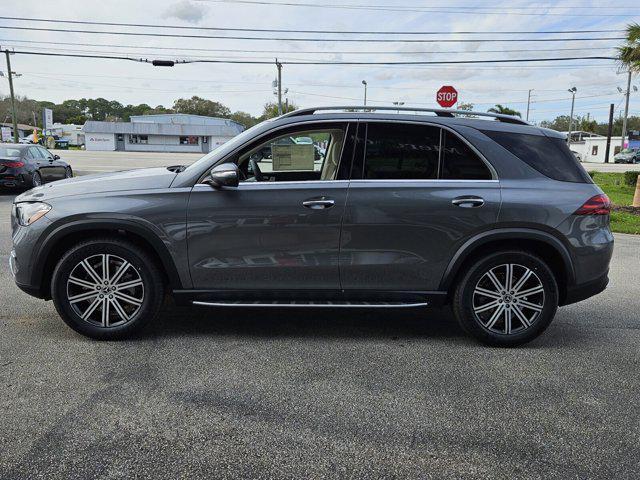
<point>107,288</point>
<point>68,173</point>
<point>507,298</point>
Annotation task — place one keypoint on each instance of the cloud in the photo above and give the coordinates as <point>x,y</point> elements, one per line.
<point>187,11</point>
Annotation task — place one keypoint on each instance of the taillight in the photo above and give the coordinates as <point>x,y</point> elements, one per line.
<point>596,205</point>
<point>13,164</point>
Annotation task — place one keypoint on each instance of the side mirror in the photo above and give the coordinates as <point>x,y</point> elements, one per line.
<point>224,176</point>
<point>56,157</point>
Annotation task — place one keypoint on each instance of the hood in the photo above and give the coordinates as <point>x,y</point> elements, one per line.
<point>139,179</point>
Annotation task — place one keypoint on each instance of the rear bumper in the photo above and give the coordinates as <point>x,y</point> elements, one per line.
<point>577,293</point>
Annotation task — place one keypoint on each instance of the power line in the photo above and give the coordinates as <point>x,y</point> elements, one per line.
<point>263,62</point>
<point>331,52</point>
<point>298,39</point>
<point>285,30</point>
<point>413,9</point>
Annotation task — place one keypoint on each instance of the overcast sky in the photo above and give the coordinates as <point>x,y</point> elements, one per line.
<point>248,87</point>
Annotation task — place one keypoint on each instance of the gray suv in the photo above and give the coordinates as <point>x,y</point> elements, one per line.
<point>329,207</point>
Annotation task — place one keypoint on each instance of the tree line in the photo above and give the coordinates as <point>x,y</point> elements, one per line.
<point>29,111</point>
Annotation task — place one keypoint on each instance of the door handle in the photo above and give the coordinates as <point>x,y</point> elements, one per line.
<point>468,202</point>
<point>318,204</point>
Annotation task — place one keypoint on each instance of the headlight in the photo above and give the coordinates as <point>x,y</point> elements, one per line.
<point>29,212</point>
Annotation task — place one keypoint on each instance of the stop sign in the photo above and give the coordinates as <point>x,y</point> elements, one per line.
<point>447,96</point>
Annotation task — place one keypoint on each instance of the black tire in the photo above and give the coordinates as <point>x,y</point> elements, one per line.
<point>36,179</point>
<point>68,173</point>
<point>142,268</point>
<point>479,326</point>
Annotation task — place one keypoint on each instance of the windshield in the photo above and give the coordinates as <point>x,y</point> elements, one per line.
<point>9,152</point>
<point>629,150</point>
<point>227,147</point>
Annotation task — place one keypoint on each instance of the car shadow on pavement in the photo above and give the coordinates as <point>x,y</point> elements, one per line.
<point>302,322</point>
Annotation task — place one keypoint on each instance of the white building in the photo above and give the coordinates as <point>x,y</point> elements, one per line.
<point>592,148</point>
<point>69,132</point>
<point>173,132</point>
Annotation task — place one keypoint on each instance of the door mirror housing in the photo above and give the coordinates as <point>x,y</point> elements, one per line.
<point>224,176</point>
<point>56,157</point>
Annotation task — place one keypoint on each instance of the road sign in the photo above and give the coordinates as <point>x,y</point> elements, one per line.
<point>447,96</point>
<point>47,118</point>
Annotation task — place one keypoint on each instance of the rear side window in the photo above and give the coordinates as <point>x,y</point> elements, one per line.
<point>460,162</point>
<point>550,156</point>
<point>401,151</point>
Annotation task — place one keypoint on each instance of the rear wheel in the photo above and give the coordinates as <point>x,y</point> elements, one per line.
<point>507,298</point>
<point>36,179</point>
<point>107,288</point>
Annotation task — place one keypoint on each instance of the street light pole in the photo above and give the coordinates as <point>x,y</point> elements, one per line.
<point>398,104</point>
<point>626,110</point>
<point>573,91</point>
<point>529,103</point>
<point>279,65</point>
<point>364,82</point>
<point>13,98</point>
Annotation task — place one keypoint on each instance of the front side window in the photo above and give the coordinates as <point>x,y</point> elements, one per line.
<point>395,151</point>
<point>297,156</point>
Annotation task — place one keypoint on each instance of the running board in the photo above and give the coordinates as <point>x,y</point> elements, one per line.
<point>303,304</point>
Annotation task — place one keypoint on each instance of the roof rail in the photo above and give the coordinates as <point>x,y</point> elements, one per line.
<point>440,112</point>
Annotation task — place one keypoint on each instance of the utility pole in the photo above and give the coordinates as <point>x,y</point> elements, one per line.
<point>364,82</point>
<point>626,110</point>
<point>13,98</point>
<point>529,103</point>
<point>279,65</point>
<point>573,91</point>
<point>609,132</point>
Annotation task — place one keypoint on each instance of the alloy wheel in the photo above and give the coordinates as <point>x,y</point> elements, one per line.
<point>508,299</point>
<point>105,290</point>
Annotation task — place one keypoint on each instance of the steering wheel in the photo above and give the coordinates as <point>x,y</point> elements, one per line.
<point>257,174</point>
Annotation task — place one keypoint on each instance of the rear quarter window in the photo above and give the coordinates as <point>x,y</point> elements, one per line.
<point>549,156</point>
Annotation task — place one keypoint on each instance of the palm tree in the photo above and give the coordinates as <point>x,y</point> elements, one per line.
<point>504,110</point>
<point>629,53</point>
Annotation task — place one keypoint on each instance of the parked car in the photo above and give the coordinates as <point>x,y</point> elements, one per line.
<point>28,166</point>
<point>494,218</point>
<point>628,155</point>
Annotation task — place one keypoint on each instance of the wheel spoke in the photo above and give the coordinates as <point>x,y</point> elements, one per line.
<point>105,312</point>
<point>521,316</point>
<point>508,279</point>
<point>531,291</point>
<point>495,317</point>
<point>487,293</point>
<point>92,273</point>
<point>522,281</point>
<point>487,306</point>
<point>127,298</point>
<point>529,305</point>
<point>83,296</point>
<point>105,268</point>
<point>507,321</point>
<point>131,284</point>
<point>495,281</point>
<point>91,308</point>
<point>119,310</point>
<point>116,276</point>
<point>82,283</point>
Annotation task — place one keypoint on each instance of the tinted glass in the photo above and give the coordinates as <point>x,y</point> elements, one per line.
<point>460,162</point>
<point>45,153</point>
<point>401,151</point>
<point>9,152</point>
<point>550,156</point>
<point>35,153</point>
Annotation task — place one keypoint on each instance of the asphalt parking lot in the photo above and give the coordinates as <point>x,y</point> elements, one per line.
<point>321,394</point>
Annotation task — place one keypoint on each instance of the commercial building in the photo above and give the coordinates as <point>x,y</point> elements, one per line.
<point>73,134</point>
<point>592,147</point>
<point>161,133</point>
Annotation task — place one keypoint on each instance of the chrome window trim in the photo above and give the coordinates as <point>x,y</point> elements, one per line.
<point>274,130</point>
<point>494,174</point>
